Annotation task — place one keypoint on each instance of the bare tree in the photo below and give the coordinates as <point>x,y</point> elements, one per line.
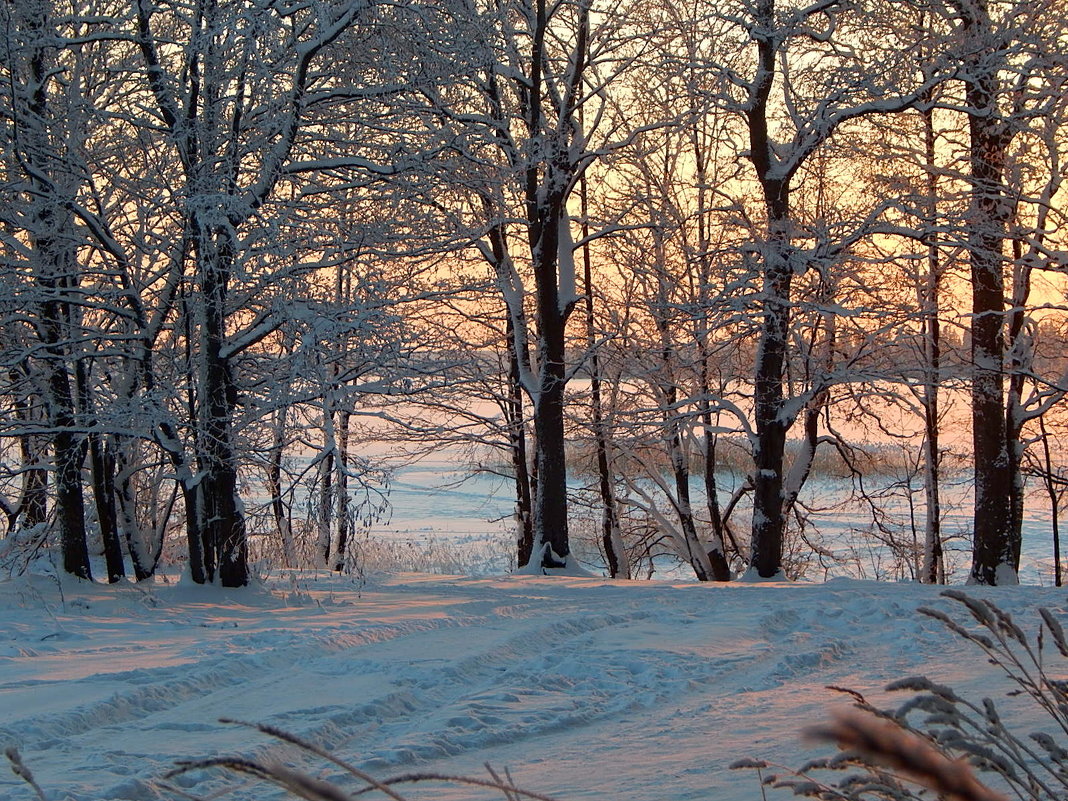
<point>788,113</point>
<point>232,105</point>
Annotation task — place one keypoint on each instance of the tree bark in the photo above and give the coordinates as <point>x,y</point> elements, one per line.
<point>611,536</point>
<point>53,240</point>
<point>279,509</point>
<point>1049,480</point>
<point>517,441</point>
<point>768,524</point>
<point>342,492</point>
<point>102,468</point>
<point>768,521</point>
<point>550,500</point>
<point>32,507</point>
<point>995,550</point>
<point>222,522</point>
<point>933,569</point>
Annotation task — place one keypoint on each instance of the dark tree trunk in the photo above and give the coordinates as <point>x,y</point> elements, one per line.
<point>547,182</point>
<point>167,437</point>
<point>342,491</point>
<point>768,520</point>
<point>681,473</point>
<point>550,503</point>
<point>1050,480</point>
<point>768,523</point>
<point>68,445</point>
<point>717,556</point>
<point>32,508</point>
<point>550,500</point>
<point>933,570</point>
<point>143,556</point>
<point>517,441</point>
<point>775,164</point>
<point>221,520</point>
<point>1019,360</point>
<point>279,508</point>
<point>53,237</point>
<point>70,505</point>
<point>326,505</point>
<point>103,472</point>
<point>200,570</point>
<point>993,548</point>
<point>611,537</point>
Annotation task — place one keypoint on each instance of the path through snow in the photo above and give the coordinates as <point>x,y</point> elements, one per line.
<point>580,687</point>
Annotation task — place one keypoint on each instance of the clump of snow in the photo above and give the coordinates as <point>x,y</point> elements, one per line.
<point>579,686</point>
<point>752,576</point>
<point>569,565</point>
<point>1005,575</point>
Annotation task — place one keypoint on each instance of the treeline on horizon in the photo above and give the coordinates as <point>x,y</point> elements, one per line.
<point>235,233</point>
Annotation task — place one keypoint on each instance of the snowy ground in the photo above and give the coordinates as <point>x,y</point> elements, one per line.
<point>582,688</point>
<point>443,520</point>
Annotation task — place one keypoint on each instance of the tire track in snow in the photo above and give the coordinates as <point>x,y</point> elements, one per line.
<point>186,701</point>
<point>145,692</point>
<point>560,675</point>
<point>442,668</point>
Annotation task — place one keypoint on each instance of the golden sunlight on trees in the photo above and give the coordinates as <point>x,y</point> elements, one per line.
<point>675,266</point>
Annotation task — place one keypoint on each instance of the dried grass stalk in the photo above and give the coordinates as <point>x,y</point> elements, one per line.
<point>890,746</point>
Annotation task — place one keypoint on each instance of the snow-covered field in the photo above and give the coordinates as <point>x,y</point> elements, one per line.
<point>581,688</point>
<point>444,520</point>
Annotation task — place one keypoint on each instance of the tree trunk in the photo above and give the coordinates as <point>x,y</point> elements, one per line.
<point>325,518</point>
<point>933,570</point>
<point>222,522</point>
<point>696,555</point>
<point>1019,359</point>
<point>103,472</point>
<point>143,557</point>
<point>768,523</point>
<point>995,553</point>
<point>32,508</point>
<point>67,445</point>
<point>279,509</point>
<point>517,442</point>
<point>611,536</point>
<point>548,179</point>
<point>770,446</point>
<point>1054,501</point>
<point>343,516</point>
<point>53,237</point>
<point>717,554</point>
<point>550,500</point>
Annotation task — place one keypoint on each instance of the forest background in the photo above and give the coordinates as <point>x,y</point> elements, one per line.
<point>691,255</point>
